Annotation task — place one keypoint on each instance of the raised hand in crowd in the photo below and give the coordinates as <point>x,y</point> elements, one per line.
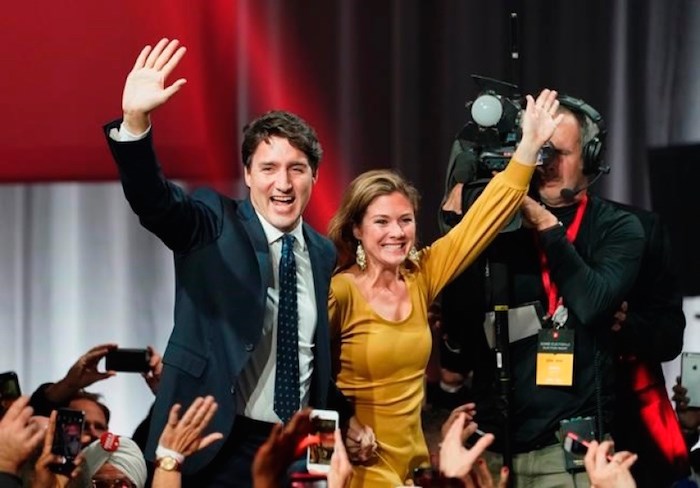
<point>469,411</point>
<point>145,89</point>
<point>43,476</point>
<point>688,417</point>
<point>457,461</point>
<point>182,437</point>
<point>341,469</point>
<point>19,436</point>
<point>609,472</point>
<point>82,374</point>
<point>360,441</point>
<point>152,376</point>
<point>279,450</point>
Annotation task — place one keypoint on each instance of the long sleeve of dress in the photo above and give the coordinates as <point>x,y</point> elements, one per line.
<point>455,251</point>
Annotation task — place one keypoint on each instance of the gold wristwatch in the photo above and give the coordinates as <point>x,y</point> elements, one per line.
<point>168,463</point>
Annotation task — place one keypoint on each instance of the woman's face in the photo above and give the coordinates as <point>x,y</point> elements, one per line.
<point>387,230</point>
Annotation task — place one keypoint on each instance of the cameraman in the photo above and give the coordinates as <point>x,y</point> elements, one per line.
<point>569,268</point>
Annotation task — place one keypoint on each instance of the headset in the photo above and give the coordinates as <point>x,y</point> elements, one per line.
<point>592,152</point>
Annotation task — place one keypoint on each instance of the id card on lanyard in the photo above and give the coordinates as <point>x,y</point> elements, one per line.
<point>555,346</point>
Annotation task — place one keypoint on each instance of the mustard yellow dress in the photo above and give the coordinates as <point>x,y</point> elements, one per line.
<point>380,363</point>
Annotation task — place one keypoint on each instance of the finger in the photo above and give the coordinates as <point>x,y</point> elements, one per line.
<point>454,433</point>
<point>151,59</point>
<point>481,445</point>
<point>204,413</point>
<point>141,59</point>
<point>175,87</point>
<point>166,54</point>
<point>589,460</point>
<point>48,438</point>
<point>211,409</point>
<point>16,409</point>
<point>503,480</point>
<point>529,102</point>
<point>210,439</point>
<point>37,436</point>
<point>601,456</point>
<point>173,61</point>
<point>174,415</point>
<point>624,306</point>
<point>628,461</point>
<point>481,473</point>
<point>189,414</point>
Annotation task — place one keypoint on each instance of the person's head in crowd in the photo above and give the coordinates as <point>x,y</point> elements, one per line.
<point>96,415</point>
<point>281,154</point>
<point>567,168</point>
<point>113,459</point>
<point>375,226</point>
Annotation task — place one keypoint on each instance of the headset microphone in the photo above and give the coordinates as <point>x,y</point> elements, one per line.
<point>568,194</point>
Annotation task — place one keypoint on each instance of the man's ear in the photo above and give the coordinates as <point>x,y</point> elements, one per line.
<point>246,175</point>
<point>314,176</point>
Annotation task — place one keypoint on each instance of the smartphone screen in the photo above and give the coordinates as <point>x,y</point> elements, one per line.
<point>66,438</point>
<point>9,390</point>
<point>128,360</point>
<point>574,445</point>
<point>323,425</point>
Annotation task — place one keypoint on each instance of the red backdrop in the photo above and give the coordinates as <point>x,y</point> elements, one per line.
<point>64,67</point>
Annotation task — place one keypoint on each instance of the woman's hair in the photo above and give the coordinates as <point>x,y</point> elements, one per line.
<point>358,196</point>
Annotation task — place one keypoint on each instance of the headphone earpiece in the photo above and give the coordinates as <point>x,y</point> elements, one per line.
<point>593,151</point>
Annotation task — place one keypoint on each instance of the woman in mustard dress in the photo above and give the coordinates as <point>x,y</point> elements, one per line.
<point>380,294</point>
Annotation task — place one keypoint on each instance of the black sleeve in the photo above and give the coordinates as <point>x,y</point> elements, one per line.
<point>8,480</point>
<point>655,321</point>
<point>595,287</point>
<point>42,405</point>
<point>181,222</point>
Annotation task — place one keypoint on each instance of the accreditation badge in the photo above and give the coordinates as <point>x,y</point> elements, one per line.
<point>555,357</point>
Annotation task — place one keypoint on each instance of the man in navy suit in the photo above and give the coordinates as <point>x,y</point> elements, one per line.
<point>226,259</point>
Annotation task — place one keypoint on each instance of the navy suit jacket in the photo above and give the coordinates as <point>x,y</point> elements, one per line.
<point>222,272</point>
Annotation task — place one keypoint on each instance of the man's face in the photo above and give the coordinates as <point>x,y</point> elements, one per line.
<point>95,421</point>
<point>280,181</point>
<point>566,168</point>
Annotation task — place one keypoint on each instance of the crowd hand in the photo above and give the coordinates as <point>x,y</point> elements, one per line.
<point>453,202</point>
<point>456,461</point>
<point>184,435</point>
<point>19,436</point>
<point>536,216</point>
<point>613,473</point>
<point>145,88</point>
<point>341,469</point>
<point>360,441</point>
<point>43,476</point>
<point>480,477</point>
<point>539,120</point>
<point>469,411</point>
<point>688,417</point>
<point>83,373</point>
<point>620,317</point>
<point>279,450</point>
<point>152,376</point>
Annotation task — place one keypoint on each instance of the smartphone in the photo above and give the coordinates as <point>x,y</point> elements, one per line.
<point>128,360</point>
<point>690,376</point>
<point>66,439</point>
<point>318,456</point>
<point>9,390</point>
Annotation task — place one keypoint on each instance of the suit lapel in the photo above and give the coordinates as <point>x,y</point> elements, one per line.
<point>255,232</point>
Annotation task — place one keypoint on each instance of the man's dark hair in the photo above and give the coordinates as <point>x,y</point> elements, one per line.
<point>93,397</point>
<point>286,125</point>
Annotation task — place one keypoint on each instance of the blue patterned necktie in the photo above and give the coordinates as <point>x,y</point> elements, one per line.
<point>287,374</point>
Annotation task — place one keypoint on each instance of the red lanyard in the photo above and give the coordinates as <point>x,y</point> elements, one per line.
<point>553,299</point>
